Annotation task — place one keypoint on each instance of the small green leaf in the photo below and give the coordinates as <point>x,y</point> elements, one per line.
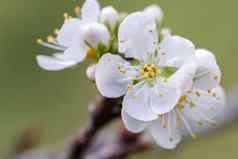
<point>168,71</point>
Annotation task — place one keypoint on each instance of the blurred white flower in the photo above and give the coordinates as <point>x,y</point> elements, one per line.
<point>194,112</point>
<point>74,53</point>
<point>155,12</point>
<point>109,16</point>
<point>72,37</point>
<point>153,86</point>
<point>96,34</point>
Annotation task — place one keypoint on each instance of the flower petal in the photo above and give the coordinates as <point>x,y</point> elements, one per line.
<point>155,12</point>
<point>166,135</point>
<point>202,107</point>
<point>110,76</point>
<point>183,77</point>
<point>78,50</point>
<point>137,36</point>
<point>136,103</point>
<point>132,124</point>
<point>67,32</point>
<point>177,50</point>
<point>164,98</point>
<point>53,63</point>
<point>208,74</point>
<point>90,11</point>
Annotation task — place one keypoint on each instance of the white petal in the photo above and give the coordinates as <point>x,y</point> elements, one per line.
<point>167,136</point>
<point>90,11</point>
<point>132,124</point>
<point>136,103</point>
<point>90,72</point>
<point>95,34</point>
<point>137,36</point>
<point>203,107</point>
<point>109,78</point>
<point>183,77</point>
<point>155,12</point>
<point>67,32</point>
<point>53,63</point>
<point>208,74</point>
<point>177,50</point>
<point>164,98</point>
<point>78,50</point>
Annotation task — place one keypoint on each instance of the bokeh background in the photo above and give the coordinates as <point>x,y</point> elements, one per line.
<point>57,101</point>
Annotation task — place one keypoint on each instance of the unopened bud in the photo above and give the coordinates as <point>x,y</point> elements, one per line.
<point>96,34</point>
<point>155,12</point>
<point>91,72</point>
<point>110,16</point>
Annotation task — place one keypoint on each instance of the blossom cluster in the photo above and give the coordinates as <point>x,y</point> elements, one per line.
<point>169,87</point>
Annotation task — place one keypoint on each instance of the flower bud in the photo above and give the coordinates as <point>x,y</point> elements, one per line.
<point>155,12</point>
<point>91,72</point>
<point>110,16</point>
<point>96,34</point>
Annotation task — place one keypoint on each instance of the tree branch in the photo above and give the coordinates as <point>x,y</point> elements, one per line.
<point>102,111</point>
<point>125,145</point>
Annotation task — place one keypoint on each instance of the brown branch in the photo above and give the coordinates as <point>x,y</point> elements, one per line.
<point>103,111</point>
<point>125,145</point>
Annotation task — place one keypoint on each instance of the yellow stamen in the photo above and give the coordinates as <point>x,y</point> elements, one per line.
<point>182,100</point>
<point>39,41</point>
<point>91,54</point>
<point>67,16</point>
<point>56,31</point>
<point>149,71</point>
<point>51,39</point>
<point>130,87</point>
<point>77,10</point>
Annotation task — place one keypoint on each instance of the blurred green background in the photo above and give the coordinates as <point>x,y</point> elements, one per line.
<point>57,101</point>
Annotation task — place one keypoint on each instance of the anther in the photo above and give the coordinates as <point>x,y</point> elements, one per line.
<point>66,16</point>
<point>39,41</point>
<point>77,10</point>
<point>50,39</point>
<point>56,31</point>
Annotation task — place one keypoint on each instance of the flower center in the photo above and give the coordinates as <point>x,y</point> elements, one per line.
<point>181,101</point>
<point>149,71</point>
<point>91,53</point>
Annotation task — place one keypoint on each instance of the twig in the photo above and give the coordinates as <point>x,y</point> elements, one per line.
<point>125,145</point>
<point>103,111</point>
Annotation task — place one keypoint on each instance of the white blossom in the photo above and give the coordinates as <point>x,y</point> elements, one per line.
<point>195,112</point>
<point>70,40</point>
<point>149,86</point>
